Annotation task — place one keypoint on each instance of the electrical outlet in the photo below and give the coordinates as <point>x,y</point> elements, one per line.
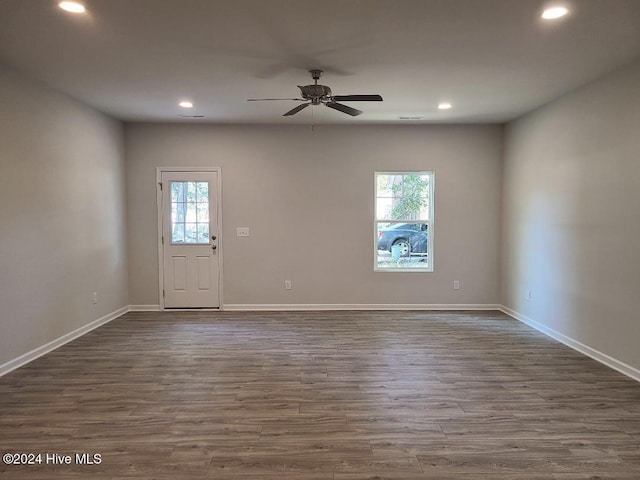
<point>456,284</point>
<point>287,284</point>
<point>242,231</point>
<point>94,297</point>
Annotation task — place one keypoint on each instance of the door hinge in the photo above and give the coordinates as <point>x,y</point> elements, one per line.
<point>163,293</point>
<point>163,239</point>
<point>160,185</point>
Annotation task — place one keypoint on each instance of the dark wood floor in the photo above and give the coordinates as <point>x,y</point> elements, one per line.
<point>317,396</point>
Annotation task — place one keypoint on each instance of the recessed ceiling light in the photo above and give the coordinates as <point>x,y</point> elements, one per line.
<point>554,12</point>
<point>444,106</point>
<point>73,7</point>
<point>186,104</point>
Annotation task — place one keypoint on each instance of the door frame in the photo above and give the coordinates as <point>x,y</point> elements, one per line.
<point>159,171</point>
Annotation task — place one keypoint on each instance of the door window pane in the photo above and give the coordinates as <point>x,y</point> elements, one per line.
<point>190,233</point>
<point>177,233</point>
<point>203,233</point>
<point>189,212</point>
<point>177,192</point>
<point>202,192</point>
<point>203,213</point>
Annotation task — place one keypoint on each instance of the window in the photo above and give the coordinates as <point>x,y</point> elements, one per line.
<point>189,212</point>
<point>404,221</point>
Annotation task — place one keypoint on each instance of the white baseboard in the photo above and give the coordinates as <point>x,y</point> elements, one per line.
<point>355,306</point>
<point>44,349</point>
<point>144,308</point>
<point>597,355</point>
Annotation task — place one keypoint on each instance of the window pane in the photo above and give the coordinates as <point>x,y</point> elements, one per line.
<point>385,183</point>
<point>177,191</point>
<point>425,210</point>
<point>177,233</point>
<point>178,212</point>
<point>203,212</point>
<point>415,185</point>
<point>191,213</point>
<point>203,233</point>
<point>385,207</point>
<point>402,245</point>
<point>202,192</point>
<point>191,191</point>
<point>402,196</point>
<point>191,233</point>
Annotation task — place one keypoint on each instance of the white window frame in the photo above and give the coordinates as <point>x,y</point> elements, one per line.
<point>430,222</point>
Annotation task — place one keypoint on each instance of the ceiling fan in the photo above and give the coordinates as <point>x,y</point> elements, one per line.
<point>321,95</point>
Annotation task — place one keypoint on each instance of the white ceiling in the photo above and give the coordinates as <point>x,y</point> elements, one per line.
<point>493,59</point>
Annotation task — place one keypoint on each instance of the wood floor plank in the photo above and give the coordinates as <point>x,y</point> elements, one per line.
<point>321,396</point>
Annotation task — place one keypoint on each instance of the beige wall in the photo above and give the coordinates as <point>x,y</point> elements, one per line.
<point>572,215</point>
<point>62,213</point>
<point>308,199</point>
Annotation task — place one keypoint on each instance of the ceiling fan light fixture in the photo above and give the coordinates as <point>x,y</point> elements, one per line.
<point>72,7</point>
<point>553,13</point>
<point>185,104</point>
<point>444,106</point>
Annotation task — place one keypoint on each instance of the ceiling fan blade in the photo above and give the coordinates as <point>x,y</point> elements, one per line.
<point>295,110</point>
<point>266,99</point>
<point>357,98</point>
<point>343,108</point>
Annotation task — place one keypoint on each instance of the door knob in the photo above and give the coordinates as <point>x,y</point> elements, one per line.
<point>213,237</point>
<point>213,247</point>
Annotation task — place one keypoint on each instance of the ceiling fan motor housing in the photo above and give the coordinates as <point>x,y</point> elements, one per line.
<point>315,93</point>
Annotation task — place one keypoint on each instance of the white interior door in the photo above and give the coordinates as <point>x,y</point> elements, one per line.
<point>190,239</point>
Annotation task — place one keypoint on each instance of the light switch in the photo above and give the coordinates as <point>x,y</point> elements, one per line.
<point>243,231</point>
